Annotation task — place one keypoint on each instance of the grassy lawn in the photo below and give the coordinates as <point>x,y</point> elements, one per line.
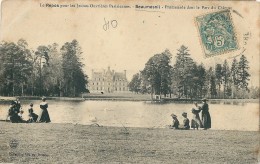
<point>68,143</point>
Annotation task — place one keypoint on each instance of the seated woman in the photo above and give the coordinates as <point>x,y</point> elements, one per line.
<point>32,116</point>
<point>175,122</point>
<point>12,113</point>
<point>186,122</point>
<point>44,114</point>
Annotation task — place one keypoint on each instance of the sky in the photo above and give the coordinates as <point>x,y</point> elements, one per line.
<point>133,36</point>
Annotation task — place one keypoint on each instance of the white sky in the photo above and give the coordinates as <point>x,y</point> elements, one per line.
<point>138,36</point>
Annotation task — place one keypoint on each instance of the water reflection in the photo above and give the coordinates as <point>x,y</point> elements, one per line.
<point>225,116</point>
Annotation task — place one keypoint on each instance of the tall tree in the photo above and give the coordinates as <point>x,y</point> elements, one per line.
<point>157,73</point>
<point>16,66</point>
<point>243,75</point>
<point>234,76</point>
<point>75,80</point>
<point>41,65</point>
<point>218,76</point>
<point>226,79</point>
<point>201,74</point>
<point>182,71</point>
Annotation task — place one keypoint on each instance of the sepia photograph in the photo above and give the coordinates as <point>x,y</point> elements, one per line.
<point>111,82</point>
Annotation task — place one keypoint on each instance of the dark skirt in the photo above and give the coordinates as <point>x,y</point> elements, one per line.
<point>206,120</point>
<point>15,118</point>
<point>33,117</point>
<point>44,116</point>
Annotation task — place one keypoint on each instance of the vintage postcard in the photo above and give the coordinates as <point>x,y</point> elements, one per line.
<point>85,81</point>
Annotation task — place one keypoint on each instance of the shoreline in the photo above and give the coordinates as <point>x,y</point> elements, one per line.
<point>115,98</point>
<point>75,143</point>
<point>131,127</point>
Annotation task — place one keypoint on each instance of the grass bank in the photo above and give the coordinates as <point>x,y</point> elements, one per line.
<point>69,143</point>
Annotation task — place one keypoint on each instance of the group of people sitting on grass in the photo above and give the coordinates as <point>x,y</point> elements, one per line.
<point>196,122</point>
<point>15,112</point>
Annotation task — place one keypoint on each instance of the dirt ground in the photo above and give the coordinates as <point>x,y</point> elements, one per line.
<point>69,143</point>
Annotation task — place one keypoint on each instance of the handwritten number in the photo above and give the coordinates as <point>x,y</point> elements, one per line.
<point>113,24</point>
<point>106,25</point>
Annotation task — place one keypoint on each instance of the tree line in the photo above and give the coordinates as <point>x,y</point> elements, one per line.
<point>187,79</point>
<point>48,70</point>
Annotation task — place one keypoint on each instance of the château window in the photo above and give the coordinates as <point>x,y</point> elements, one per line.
<point>97,88</point>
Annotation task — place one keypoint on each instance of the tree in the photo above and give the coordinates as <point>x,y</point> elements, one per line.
<point>135,83</point>
<point>157,73</point>
<point>218,76</point>
<point>41,62</point>
<point>16,67</point>
<point>226,79</point>
<point>74,79</point>
<point>182,71</point>
<point>243,75</point>
<point>234,76</point>
<point>200,80</point>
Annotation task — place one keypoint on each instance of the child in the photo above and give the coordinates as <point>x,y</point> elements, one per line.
<point>186,122</point>
<point>175,122</point>
<point>32,116</point>
<point>20,115</point>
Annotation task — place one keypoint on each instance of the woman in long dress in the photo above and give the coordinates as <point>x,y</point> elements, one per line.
<point>206,119</point>
<point>195,121</point>
<point>44,114</point>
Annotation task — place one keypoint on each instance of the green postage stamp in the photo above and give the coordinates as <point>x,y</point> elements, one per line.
<point>217,33</point>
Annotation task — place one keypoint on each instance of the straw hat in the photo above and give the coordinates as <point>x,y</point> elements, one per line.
<point>184,114</point>
<point>173,115</point>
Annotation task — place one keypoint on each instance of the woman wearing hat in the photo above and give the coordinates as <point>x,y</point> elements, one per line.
<point>32,116</point>
<point>206,119</point>
<point>44,115</point>
<point>186,122</point>
<point>12,113</point>
<point>175,122</point>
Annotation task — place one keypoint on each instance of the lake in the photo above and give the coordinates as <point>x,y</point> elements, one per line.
<point>239,116</point>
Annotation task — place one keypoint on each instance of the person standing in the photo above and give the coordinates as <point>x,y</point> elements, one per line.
<point>206,119</point>
<point>44,114</point>
<point>195,121</point>
<point>17,105</point>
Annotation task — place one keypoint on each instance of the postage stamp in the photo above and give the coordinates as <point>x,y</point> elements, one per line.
<point>217,33</point>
